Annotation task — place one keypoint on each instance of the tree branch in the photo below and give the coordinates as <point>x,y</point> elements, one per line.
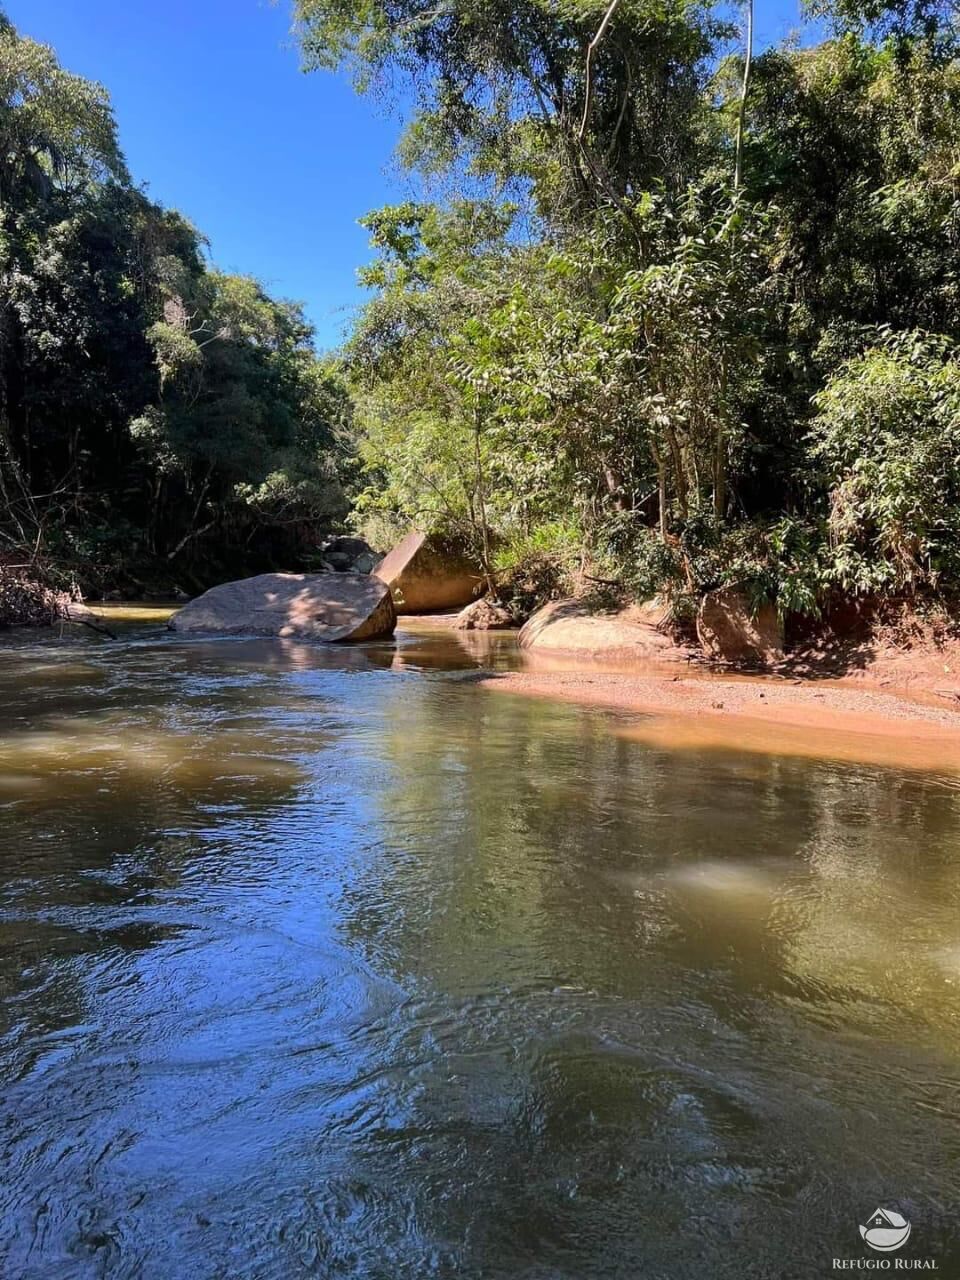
<point>741,113</point>
<point>591,49</point>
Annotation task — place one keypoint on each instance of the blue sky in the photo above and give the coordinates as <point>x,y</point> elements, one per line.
<point>274,166</point>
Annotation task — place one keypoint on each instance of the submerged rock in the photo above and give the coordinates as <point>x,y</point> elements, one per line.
<point>424,576</point>
<point>483,615</point>
<point>76,611</point>
<point>307,606</point>
<point>366,562</point>
<point>729,631</point>
<point>636,635</point>
<point>344,545</point>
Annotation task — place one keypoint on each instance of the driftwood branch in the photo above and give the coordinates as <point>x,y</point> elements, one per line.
<point>194,533</point>
<point>94,626</point>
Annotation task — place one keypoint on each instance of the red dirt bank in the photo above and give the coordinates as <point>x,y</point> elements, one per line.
<point>838,720</point>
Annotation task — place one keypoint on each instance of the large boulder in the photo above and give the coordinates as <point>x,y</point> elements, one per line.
<point>344,544</point>
<point>424,577</point>
<point>483,615</point>
<point>349,555</point>
<point>640,635</point>
<point>730,631</point>
<point>305,606</point>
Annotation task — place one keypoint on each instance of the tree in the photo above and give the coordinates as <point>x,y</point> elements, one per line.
<point>148,404</point>
<point>888,437</point>
<point>502,88</point>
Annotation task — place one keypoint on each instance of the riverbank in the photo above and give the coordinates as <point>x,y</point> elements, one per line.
<point>830,719</point>
<point>911,725</point>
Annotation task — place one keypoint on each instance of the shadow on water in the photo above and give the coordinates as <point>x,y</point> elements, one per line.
<point>330,962</point>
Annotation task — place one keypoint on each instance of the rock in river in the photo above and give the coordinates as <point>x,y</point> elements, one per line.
<point>305,606</point>
<point>349,555</point>
<point>483,615</point>
<point>637,636</point>
<point>424,576</point>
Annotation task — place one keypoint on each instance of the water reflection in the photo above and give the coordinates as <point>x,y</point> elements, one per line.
<point>331,962</point>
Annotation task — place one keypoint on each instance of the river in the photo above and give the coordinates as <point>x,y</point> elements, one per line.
<point>331,962</point>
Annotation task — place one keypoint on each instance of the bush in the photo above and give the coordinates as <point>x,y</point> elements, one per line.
<point>25,602</point>
<point>542,564</point>
<point>780,562</point>
<point>888,437</point>
<point>634,553</point>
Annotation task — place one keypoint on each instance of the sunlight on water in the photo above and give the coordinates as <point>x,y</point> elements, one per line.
<point>97,747</point>
<point>115,611</point>
<point>333,962</point>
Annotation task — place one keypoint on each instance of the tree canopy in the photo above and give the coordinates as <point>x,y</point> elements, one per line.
<point>660,309</point>
<point>160,421</point>
<point>688,318</point>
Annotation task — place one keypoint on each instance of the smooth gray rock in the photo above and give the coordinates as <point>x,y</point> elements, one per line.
<point>307,606</point>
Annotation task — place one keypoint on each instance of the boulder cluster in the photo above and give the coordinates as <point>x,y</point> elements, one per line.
<point>348,555</point>
<point>357,596</point>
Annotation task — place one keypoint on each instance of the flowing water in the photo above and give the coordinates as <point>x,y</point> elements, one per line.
<point>331,962</point>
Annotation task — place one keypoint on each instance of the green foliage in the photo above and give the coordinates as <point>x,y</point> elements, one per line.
<point>683,377</point>
<point>152,411</point>
<point>783,561</point>
<point>501,89</point>
<point>57,132</point>
<point>543,563</point>
<point>561,397</point>
<point>888,437</point>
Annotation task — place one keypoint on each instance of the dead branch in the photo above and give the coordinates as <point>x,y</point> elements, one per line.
<point>94,626</point>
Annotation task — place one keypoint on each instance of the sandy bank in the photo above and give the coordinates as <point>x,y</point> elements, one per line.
<point>815,719</point>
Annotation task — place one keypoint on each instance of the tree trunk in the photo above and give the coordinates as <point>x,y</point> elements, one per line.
<point>719,474</point>
<point>614,487</point>
<point>661,490</point>
<point>742,111</point>
<point>481,500</point>
<point>681,475</point>
<point>719,451</point>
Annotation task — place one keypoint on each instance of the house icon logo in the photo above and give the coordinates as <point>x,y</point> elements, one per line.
<point>885,1231</point>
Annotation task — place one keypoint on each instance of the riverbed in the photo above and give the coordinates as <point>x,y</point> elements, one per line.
<point>343,962</point>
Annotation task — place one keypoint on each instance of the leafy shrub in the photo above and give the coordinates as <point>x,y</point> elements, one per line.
<point>539,565</point>
<point>380,529</point>
<point>783,562</point>
<point>887,435</point>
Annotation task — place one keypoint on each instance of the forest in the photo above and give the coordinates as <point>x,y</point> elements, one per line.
<point>162,424</point>
<point>573,892</point>
<point>668,312</point>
